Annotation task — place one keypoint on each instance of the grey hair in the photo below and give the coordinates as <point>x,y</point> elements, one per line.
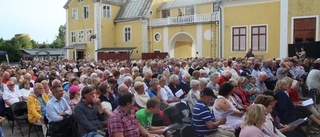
<point>194,83</point>
<point>13,79</point>
<point>82,77</point>
<point>173,77</point>
<point>203,81</point>
<point>127,78</point>
<point>153,81</point>
<point>262,73</point>
<point>214,75</point>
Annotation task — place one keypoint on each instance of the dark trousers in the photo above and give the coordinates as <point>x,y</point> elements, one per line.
<point>63,127</point>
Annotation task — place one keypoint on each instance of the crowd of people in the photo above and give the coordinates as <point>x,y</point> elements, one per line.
<point>119,98</point>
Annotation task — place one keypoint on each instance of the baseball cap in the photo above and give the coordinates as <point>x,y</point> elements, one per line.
<point>74,89</point>
<point>207,92</point>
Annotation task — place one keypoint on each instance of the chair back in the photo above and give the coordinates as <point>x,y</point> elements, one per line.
<point>19,108</point>
<point>183,109</point>
<point>171,115</point>
<point>315,95</point>
<point>188,131</point>
<point>157,120</point>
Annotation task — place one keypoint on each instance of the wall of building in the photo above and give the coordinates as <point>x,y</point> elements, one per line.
<point>267,13</point>
<point>108,28</point>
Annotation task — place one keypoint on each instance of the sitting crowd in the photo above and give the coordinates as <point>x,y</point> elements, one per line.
<point>120,98</point>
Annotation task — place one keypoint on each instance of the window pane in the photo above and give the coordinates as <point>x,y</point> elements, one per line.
<point>262,30</point>
<point>235,31</point>
<point>108,7</point>
<point>242,30</point>
<point>255,42</point>
<point>242,42</point>
<point>235,43</point>
<point>255,30</point>
<point>104,7</point>
<point>262,42</point>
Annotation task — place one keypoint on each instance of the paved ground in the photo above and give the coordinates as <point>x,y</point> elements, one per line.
<point>16,133</point>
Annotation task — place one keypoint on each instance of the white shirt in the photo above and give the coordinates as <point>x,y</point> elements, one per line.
<point>165,91</point>
<point>12,97</point>
<point>25,93</point>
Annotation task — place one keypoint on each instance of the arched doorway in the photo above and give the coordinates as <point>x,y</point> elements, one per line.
<point>182,45</point>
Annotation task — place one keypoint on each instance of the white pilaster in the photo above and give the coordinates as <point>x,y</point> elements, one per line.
<point>283,28</point>
<point>144,34</point>
<point>96,29</point>
<point>165,39</point>
<point>199,41</point>
<point>67,36</point>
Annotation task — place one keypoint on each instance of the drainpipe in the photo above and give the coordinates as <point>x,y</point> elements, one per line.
<point>220,30</point>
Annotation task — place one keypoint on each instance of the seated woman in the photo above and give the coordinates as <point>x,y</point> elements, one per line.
<point>193,94</point>
<point>174,83</point>
<point>234,98</point>
<point>286,109</point>
<point>223,104</point>
<point>242,83</point>
<point>26,90</point>
<point>166,94</point>
<point>253,123</point>
<point>251,88</point>
<point>140,96</point>
<point>74,97</point>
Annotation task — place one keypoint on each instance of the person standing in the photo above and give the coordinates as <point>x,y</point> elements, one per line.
<point>249,54</point>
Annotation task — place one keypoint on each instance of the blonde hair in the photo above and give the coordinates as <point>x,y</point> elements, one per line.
<point>264,100</point>
<point>288,80</point>
<point>279,84</point>
<point>253,116</point>
<point>44,82</point>
<point>137,85</point>
<point>241,81</point>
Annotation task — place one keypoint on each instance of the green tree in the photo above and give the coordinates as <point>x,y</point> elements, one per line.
<point>34,44</point>
<point>13,47</point>
<point>59,42</point>
<point>24,41</point>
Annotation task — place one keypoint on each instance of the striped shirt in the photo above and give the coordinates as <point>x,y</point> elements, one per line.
<point>201,114</point>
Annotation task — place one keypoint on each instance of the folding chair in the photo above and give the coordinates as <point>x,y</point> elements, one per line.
<point>35,128</point>
<point>49,132</point>
<point>20,113</point>
<point>172,118</point>
<point>188,131</point>
<point>184,112</point>
<point>157,120</point>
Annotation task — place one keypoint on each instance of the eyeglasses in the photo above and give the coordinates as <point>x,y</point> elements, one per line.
<point>10,84</point>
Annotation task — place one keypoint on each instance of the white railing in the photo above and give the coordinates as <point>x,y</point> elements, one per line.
<point>196,18</point>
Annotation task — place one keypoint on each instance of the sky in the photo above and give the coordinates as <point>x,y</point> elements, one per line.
<point>38,18</point>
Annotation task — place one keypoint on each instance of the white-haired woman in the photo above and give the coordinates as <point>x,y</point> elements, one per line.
<point>83,81</point>
<point>193,94</point>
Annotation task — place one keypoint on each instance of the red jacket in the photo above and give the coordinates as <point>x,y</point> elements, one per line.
<point>222,79</point>
<point>293,95</point>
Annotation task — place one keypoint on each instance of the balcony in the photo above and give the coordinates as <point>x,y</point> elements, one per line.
<point>196,18</point>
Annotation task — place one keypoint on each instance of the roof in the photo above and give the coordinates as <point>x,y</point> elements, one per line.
<point>116,49</point>
<point>182,3</point>
<point>112,2</point>
<point>76,46</point>
<point>42,52</point>
<point>133,9</point>
<point>3,52</point>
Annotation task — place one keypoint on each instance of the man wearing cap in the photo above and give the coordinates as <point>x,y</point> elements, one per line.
<point>204,121</point>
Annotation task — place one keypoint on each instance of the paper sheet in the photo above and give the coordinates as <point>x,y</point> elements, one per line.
<point>298,122</point>
<point>179,93</point>
<point>226,114</point>
<point>307,102</point>
<point>166,128</point>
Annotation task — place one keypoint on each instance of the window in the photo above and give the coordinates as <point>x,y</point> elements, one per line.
<point>85,12</point>
<point>106,11</point>
<point>304,30</point>
<point>127,34</point>
<point>88,35</point>
<point>73,36</point>
<point>74,13</point>
<point>239,38</point>
<point>80,0</point>
<point>80,36</point>
<point>215,7</point>
<point>165,13</point>
<point>189,10</point>
<point>259,38</point>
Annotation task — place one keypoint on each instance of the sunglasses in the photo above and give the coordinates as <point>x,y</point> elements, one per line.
<point>10,84</point>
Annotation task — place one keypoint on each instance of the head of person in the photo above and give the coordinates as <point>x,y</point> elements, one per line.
<point>88,94</point>
<point>194,85</point>
<point>226,89</point>
<point>94,82</point>
<point>162,80</point>
<point>83,79</point>
<point>214,78</point>
<point>227,75</point>
<point>262,76</point>
<point>126,101</point>
<point>138,87</point>
<point>10,85</point>
<point>153,105</point>
<point>148,76</point>
<point>154,83</point>
<point>266,101</point>
<point>252,79</point>
<point>56,82</point>
<point>203,83</point>
<point>176,70</point>
<point>174,79</point>
<point>196,74</point>
<point>207,96</point>
<point>127,81</point>
<point>235,86</point>
<point>38,89</point>
<point>255,116</point>
<point>104,89</point>
<point>256,66</point>
<point>242,82</point>
<point>186,78</point>
<point>281,85</point>
<point>25,84</point>
<point>112,82</point>
<point>289,81</point>
<point>57,92</point>
<point>270,93</point>
<point>123,89</point>
<point>74,91</point>
<point>74,82</point>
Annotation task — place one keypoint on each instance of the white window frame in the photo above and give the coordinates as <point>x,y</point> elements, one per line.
<point>85,12</point>
<point>80,1</point>
<point>88,36</point>
<point>267,36</point>
<point>188,9</point>
<point>80,36</point>
<point>73,38</point>
<point>127,33</point>
<point>105,11</point>
<point>246,39</point>
<point>74,14</point>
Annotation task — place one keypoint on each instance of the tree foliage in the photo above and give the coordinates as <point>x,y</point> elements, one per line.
<point>59,42</point>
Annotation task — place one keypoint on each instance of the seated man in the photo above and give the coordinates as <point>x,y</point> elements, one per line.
<point>89,114</point>
<point>145,118</point>
<point>10,97</point>
<point>204,121</point>
<point>37,107</point>
<point>123,121</point>
<point>58,113</point>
